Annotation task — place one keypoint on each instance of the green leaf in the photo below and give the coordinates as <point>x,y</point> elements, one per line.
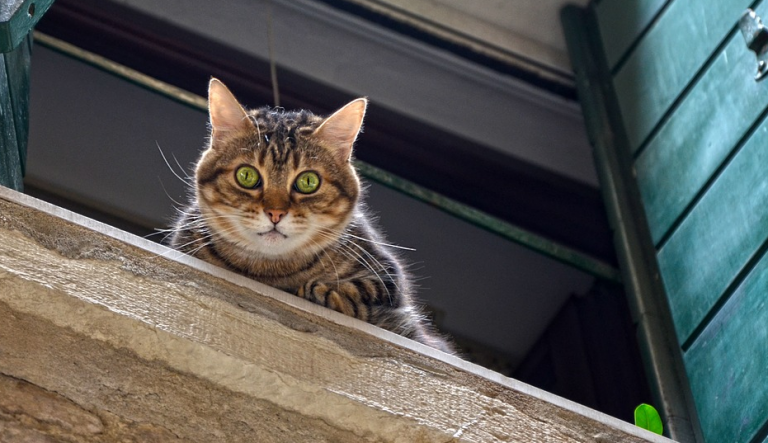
<point>648,418</point>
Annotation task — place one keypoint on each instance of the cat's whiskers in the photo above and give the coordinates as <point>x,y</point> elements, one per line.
<point>201,224</point>
<point>339,239</point>
<point>375,260</point>
<point>197,221</point>
<point>167,194</point>
<point>360,259</point>
<point>205,240</point>
<point>343,237</point>
<point>183,247</point>
<point>187,180</point>
<point>188,177</point>
<point>375,242</point>
<point>323,250</point>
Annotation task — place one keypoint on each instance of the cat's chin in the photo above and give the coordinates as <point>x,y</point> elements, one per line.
<point>274,244</point>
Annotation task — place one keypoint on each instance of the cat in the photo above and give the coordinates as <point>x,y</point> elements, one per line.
<point>277,198</point>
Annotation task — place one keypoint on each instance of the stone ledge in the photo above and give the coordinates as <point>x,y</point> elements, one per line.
<point>143,339</point>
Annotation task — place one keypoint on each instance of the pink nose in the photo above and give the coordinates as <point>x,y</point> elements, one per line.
<point>275,214</point>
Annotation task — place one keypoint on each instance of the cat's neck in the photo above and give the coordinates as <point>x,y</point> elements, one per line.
<point>281,272</point>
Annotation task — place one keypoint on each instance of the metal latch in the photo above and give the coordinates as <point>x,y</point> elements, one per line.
<point>756,37</point>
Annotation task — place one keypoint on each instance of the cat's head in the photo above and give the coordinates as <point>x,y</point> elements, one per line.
<point>277,183</point>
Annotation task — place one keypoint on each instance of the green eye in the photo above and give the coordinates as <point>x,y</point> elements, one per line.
<point>307,182</point>
<point>247,177</point>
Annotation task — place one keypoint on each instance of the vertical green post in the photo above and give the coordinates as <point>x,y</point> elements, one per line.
<point>655,330</point>
<point>17,18</point>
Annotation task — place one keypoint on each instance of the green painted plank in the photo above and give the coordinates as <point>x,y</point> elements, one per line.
<point>675,47</point>
<point>718,237</point>
<point>621,22</point>
<point>727,364</point>
<point>17,70</point>
<point>10,163</point>
<point>17,18</point>
<point>695,140</point>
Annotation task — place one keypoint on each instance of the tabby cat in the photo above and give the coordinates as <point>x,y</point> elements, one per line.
<point>278,200</point>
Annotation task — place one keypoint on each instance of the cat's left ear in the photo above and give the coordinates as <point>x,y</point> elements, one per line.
<point>339,131</point>
<point>226,113</point>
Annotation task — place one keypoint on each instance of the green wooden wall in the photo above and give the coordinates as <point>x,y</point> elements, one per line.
<point>17,18</point>
<point>692,123</point>
<point>14,104</point>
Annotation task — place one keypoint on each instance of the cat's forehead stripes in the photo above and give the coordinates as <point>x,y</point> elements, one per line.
<point>280,131</point>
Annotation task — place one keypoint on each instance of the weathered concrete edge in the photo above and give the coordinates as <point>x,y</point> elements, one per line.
<point>312,309</point>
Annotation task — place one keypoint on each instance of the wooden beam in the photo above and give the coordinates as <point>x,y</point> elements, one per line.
<point>122,335</point>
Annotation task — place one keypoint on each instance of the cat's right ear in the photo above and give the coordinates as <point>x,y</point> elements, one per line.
<point>225,112</point>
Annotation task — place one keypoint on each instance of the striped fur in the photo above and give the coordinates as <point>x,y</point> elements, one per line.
<point>320,245</point>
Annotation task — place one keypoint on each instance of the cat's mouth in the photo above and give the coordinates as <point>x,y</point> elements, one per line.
<point>272,234</point>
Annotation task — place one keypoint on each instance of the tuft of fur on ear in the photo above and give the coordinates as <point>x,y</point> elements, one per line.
<point>339,131</point>
<point>225,112</point>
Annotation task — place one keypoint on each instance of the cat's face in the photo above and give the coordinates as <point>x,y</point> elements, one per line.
<point>277,183</point>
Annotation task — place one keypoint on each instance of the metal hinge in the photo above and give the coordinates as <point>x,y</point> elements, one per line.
<point>756,37</point>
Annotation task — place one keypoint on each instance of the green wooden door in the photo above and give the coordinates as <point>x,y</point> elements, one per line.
<point>17,18</point>
<point>680,129</point>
